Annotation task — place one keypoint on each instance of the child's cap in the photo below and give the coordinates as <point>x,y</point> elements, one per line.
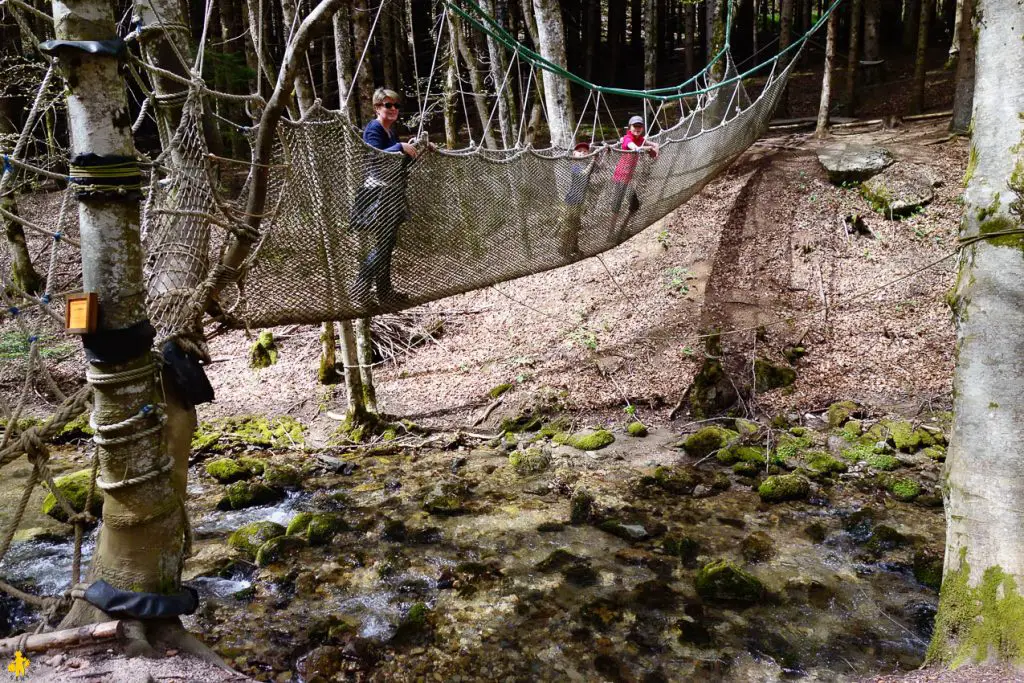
<point>582,147</point>
<point>636,119</point>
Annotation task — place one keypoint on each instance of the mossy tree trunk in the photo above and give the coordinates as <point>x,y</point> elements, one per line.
<point>23,274</point>
<point>141,544</point>
<point>498,64</point>
<point>343,64</point>
<point>362,101</point>
<point>821,130</point>
<point>650,43</point>
<point>963,97</point>
<point>357,412</point>
<point>465,47</point>
<point>981,608</point>
<point>451,85</point>
<point>364,351</point>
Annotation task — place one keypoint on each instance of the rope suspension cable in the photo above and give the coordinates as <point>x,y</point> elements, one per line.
<point>439,29</point>
<point>373,27</point>
<point>497,98</point>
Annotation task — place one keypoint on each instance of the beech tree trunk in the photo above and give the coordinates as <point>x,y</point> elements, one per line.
<point>550,32</point>
<point>476,81</point>
<point>361,100</point>
<point>963,97</point>
<point>853,59</point>
<point>786,10</point>
<point>23,274</point>
<point>451,84</point>
<point>690,38</point>
<point>821,130</point>
<point>140,547</point>
<point>920,73</point>
<point>980,602</point>
<point>341,23</point>
<point>498,66</point>
<point>872,39</point>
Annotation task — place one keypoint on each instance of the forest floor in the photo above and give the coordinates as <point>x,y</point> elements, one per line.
<point>763,254</point>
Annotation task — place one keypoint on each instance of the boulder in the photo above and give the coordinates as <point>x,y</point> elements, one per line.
<point>784,487</point>
<point>853,163</point>
<point>75,487</point>
<point>250,537</point>
<point>279,548</point>
<point>899,191</point>
<point>722,580</point>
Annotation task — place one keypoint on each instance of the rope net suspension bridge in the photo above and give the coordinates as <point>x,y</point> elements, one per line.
<point>344,219</point>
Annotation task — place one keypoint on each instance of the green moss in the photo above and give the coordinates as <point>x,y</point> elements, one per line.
<point>299,524</point>
<point>906,437</point>
<point>263,353</point>
<point>798,431</point>
<point>708,440</point>
<point>746,469</point>
<point>768,376</point>
<point>76,430</point>
<point>749,454</point>
<point>722,580</point>
<point>249,430</point>
<point>446,498</point>
<point>250,537</point>
<point>972,165</point>
<point>784,487</point>
<point>679,480</point>
<point>746,427</point>
<point>75,488</point>
<point>554,428</point>
<point>935,453</point>
<point>636,428</point>
<point>530,461</point>
<point>525,422</point>
<point>852,429</point>
<point>323,526</point>
<point>254,465</point>
<point>997,224</point>
<point>839,412</point>
<point>757,547</point>
<point>712,390</point>
<point>884,538</point>
<point>823,463</point>
<point>882,461</point>
<point>589,441</point>
<point>904,489</point>
<point>928,568</point>
<point>790,447</point>
<point>497,391</point>
<point>227,470</point>
<point>978,623</point>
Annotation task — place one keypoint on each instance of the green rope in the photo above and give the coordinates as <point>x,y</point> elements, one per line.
<point>476,16</point>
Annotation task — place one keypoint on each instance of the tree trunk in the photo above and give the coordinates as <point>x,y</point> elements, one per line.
<point>498,66</point>
<point>343,64</point>
<point>821,130</point>
<point>954,44</point>
<point>872,38</point>
<point>141,543</point>
<point>476,81</point>
<point>561,118</point>
<point>853,59</point>
<point>304,93</point>
<point>362,102</point>
<point>690,38</point>
<point>911,24</point>
<point>920,73</point>
<point>23,274</point>
<point>963,97</point>
<point>635,24</point>
<point>451,85</point>
<point>328,372</point>
<point>980,602</point>
<point>616,36</point>
<point>650,43</point>
<point>786,9</point>
<point>386,41</point>
<point>353,380</point>
<point>364,351</point>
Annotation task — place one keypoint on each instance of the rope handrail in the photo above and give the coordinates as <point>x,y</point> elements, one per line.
<point>489,26</point>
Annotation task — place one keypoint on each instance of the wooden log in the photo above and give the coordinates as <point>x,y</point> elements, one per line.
<point>108,630</point>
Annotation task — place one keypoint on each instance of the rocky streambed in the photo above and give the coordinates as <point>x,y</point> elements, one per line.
<point>807,548</point>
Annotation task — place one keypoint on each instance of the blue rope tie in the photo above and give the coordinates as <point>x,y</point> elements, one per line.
<point>13,310</point>
<point>7,168</point>
<point>45,298</point>
<point>32,339</point>
<point>146,409</point>
<point>57,235</point>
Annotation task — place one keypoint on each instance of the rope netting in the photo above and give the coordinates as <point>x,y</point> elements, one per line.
<point>357,232</point>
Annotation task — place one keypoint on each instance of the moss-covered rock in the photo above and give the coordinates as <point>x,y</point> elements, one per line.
<point>707,440</point>
<point>882,462</point>
<point>906,437</point>
<point>784,487</point>
<point>263,352</point>
<point>884,538</point>
<point>282,476</point>
<point>935,453</point>
<point>679,480</point>
<point>746,469</point>
<point>721,580</point>
<point>75,488</point>
<point>323,527</point>
<point>711,392</point>
<point>821,462</point>
<point>278,549</point>
<point>299,523</point>
<point>686,548</point>
<point>789,447</point>
<point>498,390</point>
<point>637,429</point>
<point>754,455</point>
<point>526,421</point>
<point>852,429</point>
<point>227,470</point>
<point>928,568</point>
<point>587,441</point>
<point>530,461</point>
<point>250,537</point>
<point>78,429</point>
<point>904,489</point>
<point>746,428</point>
<point>757,547</point>
<point>581,506</point>
<point>839,412</point>
<point>253,430</point>
<point>768,376</point>
<point>446,498</point>
<point>244,494</point>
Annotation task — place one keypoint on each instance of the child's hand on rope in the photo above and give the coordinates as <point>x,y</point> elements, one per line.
<point>409,150</point>
<point>652,150</point>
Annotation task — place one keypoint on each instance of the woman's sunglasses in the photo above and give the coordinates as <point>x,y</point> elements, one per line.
<point>391,105</point>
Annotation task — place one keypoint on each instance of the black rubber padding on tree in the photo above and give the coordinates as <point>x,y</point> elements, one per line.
<point>141,605</point>
<point>187,374</point>
<point>114,47</point>
<point>119,346</point>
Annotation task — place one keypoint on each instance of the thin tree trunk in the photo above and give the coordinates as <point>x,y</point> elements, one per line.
<point>650,17</point>
<point>343,64</point>
<point>690,38</point>
<point>364,351</point>
<point>328,372</point>
<point>635,24</point>
<point>353,380</point>
<point>593,37</point>
<point>911,24</point>
<point>561,117</point>
<point>616,35</point>
<point>364,78</point>
<point>497,69</point>
<point>979,605</point>
<point>23,274</point>
<point>954,44</point>
<point>386,41</point>
<point>853,59</point>
<point>963,97</point>
<point>141,543</point>
<point>872,38</point>
<point>304,93</point>
<point>451,84</point>
<point>786,10</point>
<point>821,130</point>
<point>476,81</point>
<point>920,73</point>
